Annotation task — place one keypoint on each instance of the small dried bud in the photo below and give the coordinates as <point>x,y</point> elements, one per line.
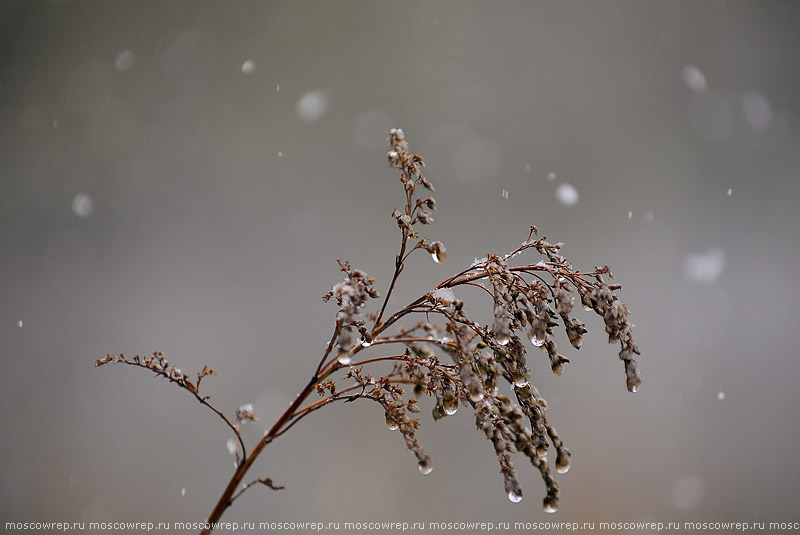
<point>425,182</point>
<point>425,218</point>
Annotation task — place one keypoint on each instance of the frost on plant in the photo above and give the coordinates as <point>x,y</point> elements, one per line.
<point>432,349</point>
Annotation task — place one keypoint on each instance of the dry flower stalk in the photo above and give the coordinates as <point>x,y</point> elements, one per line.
<point>457,362</point>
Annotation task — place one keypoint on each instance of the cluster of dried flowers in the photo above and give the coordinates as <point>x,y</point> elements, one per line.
<point>455,361</point>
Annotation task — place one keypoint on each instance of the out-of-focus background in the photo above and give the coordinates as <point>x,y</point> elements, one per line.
<point>182,176</point>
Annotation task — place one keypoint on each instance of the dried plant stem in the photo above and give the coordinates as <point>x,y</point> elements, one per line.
<point>480,357</point>
<point>226,498</point>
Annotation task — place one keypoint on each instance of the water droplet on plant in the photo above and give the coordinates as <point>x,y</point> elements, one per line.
<point>345,359</point>
<point>550,507</point>
<point>438,252</point>
<point>563,466</point>
<point>537,338</point>
<point>391,423</point>
<point>476,397</point>
<point>426,467</point>
<point>633,388</point>
<point>366,343</point>
<point>520,381</point>
<point>503,339</point>
<point>514,496</point>
<point>450,406</point>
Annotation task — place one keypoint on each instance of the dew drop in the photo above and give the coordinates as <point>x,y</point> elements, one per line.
<point>503,339</point>
<point>537,339</point>
<point>633,388</point>
<point>520,381</point>
<point>514,496</point>
<point>550,508</point>
<point>563,467</point>
<point>425,467</point>
<point>366,343</point>
<point>391,423</point>
<point>450,407</point>
<point>476,397</point>
<point>345,359</point>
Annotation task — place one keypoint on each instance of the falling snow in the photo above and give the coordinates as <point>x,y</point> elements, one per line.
<point>82,205</point>
<point>694,78</point>
<point>125,61</point>
<point>688,491</point>
<point>312,106</point>
<point>567,195</point>
<point>248,66</point>
<point>444,294</point>
<point>704,267</point>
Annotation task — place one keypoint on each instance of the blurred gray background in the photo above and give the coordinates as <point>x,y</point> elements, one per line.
<point>181,176</point>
